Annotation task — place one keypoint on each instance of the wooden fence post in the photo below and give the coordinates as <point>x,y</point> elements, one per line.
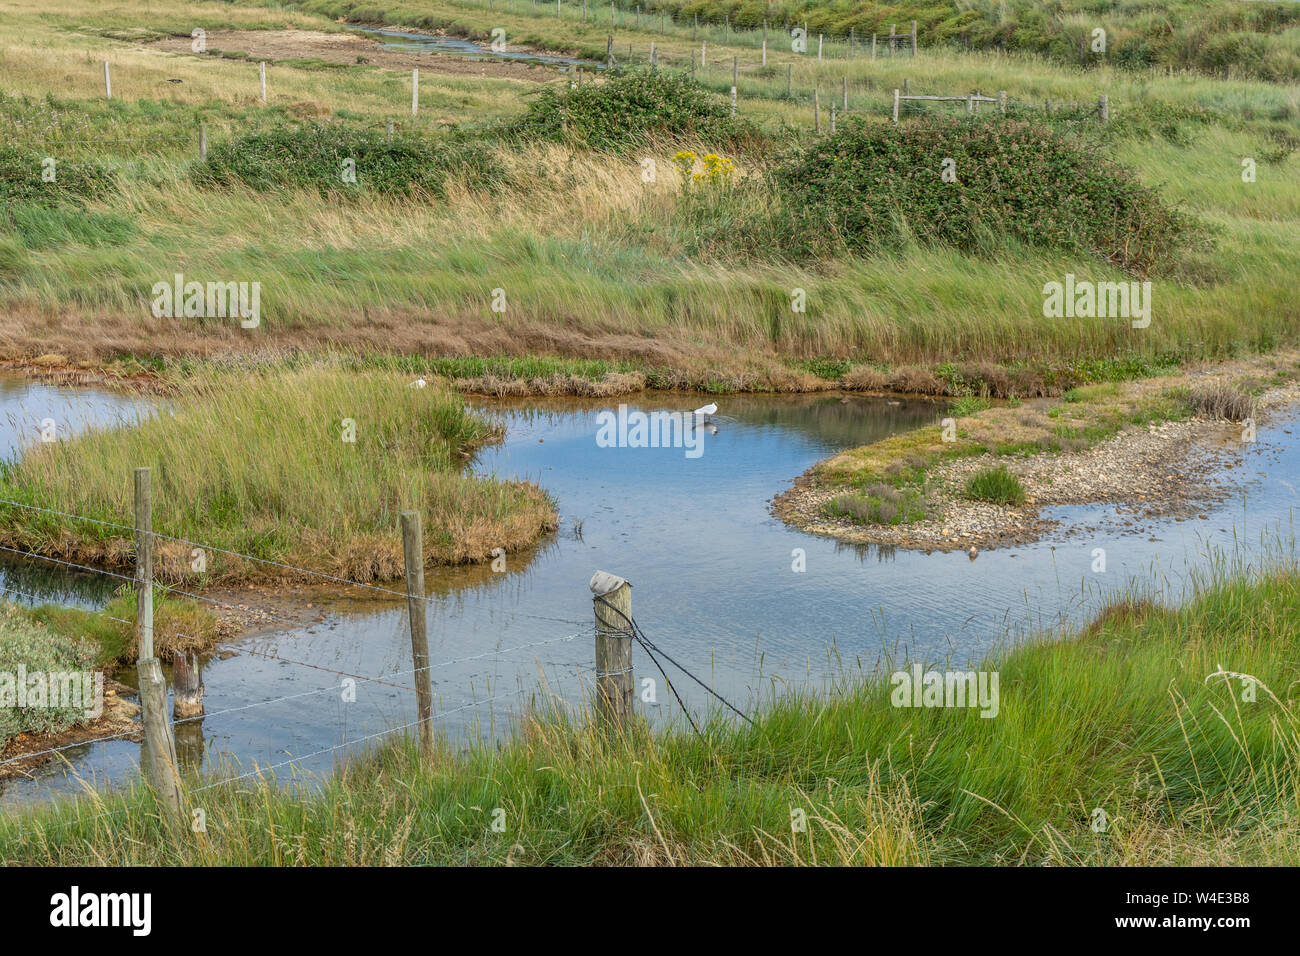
<point>832,119</point>
<point>187,686</point>
<point>845,80</point>
<point>735,83</point>
<point>413,552</point>
<point>891,39</point>
<point>765,51</point>
<point>415,91</point>
<point>1103,107</point>
<point>609,47</point>
<point>913,38</point>
<point>613,648</point>
<point>388,130</point>
<point>160,747</point>
<point>895,106</point>
<point>817,112</point>
<point>261,74</point>
<point>108,83</point>
<point>1002,101</point>
<point>819,47</point>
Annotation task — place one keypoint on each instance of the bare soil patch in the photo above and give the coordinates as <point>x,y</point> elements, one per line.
<point>351,49</point>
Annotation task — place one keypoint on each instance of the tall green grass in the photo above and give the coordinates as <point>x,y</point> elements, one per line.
<point>1180,725</point>
<point>260,463</point>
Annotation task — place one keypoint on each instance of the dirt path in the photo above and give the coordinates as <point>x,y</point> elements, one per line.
<point>352,49</point>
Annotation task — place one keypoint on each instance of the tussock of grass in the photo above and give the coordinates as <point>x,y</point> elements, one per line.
<point>997,485</point>
<point>256,463</point>
<point>1140,715</point>
<point>1222,401</point>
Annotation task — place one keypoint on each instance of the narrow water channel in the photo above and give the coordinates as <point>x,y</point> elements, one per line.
<point>713,583</point>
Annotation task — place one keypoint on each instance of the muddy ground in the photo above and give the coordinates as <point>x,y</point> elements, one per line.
<point>353,49</point>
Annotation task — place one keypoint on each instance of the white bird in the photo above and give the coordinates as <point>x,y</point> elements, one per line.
<point>418,383</point>
<point>704,411</point>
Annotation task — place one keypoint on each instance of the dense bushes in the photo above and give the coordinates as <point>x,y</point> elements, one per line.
<point>871,186</point>
<point>341,161</point>
<point>634,107</point>
<point>33,177</point>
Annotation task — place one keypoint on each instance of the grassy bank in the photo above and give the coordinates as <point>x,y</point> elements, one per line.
<point>596,265</point>
<point>1180,726</point>
<point>308,468</point>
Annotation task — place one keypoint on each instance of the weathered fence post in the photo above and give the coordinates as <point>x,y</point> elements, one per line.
<point>845,80</point>
<point>704,48</point>
<point>891,39</point>
<point>765,51</point>
<point>609,48</point>
<point>913,38</point>
<point>160,747</point>
<point>388,130</point>
<point>907,87</point>
<point>1103,107</point>
<point>735,83</point>
<point>895,106</point>
<point>413,552</point>
<point>832,119</point>
<point>108,83</point>
<point>817,112</point>
<point>819,47</point>
<point>187,686</point>
<point>261,75</point>
<point>612,600</point>
<point>415,91</point>
<point>1002,101</point>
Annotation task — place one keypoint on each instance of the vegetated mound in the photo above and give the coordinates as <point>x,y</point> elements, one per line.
<point>36,178</point>
<point>339,160</point>
<point>308,468</point>
<point>871,186</point>
<point>631,107</point>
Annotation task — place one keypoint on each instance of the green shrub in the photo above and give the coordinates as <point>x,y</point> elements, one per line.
<point>632,107</point>
<point>21,179</point>
<point>873,186</point>
<point>37,649</point>
<point>997,485</point>
<point>314,156</point>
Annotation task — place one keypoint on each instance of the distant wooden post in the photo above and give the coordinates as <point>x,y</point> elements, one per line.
<point>612,601</point>
<point>1103,107</point>
<point>735,70</point>
<point>187,686</point>
<point>261,75</point>
<point>733,100</point>
<point>160,747</point>
<point>609,48</point>
<point>1002,101</point>
<point>557,9</point>
<point>845,80</point>
<point>817,112</point>
<point>907,87</point>
<point>415,92</point>
<point>819,47</point>
<point>852,40</point>
<point>108,83</point>
<point>970,105</point>
<point>388,130</point>
<point>832,119</point>
<point>789,71</point>
<point>611,14</point>
<point>765,51</point>
<point>913,38</point>
<point>413,551</point>
<point>704,47</point>
<point>895,106</point>
<point>891,39</point>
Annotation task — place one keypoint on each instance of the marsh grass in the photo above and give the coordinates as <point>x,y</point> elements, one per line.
<point>996,485</point>
<point>256,463</point>
<point>1140,714</point>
